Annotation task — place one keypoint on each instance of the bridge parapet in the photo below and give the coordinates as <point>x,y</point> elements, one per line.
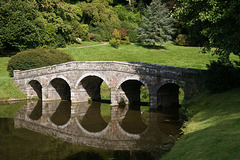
<point>126,67</point>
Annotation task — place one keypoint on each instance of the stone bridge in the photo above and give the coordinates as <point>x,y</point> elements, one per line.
<point>78,81</point>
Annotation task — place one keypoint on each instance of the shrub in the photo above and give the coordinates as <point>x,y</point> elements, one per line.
<point>35,58</point>
<point>116,39</point>
<point>183,40</point>
<point>95,37</point>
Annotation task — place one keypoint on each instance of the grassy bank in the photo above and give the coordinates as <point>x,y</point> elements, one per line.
<point>7,87</point>
<point>213,130</point>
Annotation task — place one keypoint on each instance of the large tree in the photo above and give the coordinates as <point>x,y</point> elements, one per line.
<point>157,26</point>
<point>216,20</point>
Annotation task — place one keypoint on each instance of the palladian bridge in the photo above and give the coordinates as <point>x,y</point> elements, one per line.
<point>78,81</point>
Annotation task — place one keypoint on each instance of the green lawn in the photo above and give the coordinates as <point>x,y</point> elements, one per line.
<point>168,54</point>
<point>213,131</point>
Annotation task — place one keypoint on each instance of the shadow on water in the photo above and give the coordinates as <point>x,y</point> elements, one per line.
<point>90,131</point>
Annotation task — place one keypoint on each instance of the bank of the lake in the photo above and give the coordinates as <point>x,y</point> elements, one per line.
<point>213,129</point>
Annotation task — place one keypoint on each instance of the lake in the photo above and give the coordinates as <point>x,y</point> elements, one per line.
<point>85,131</point>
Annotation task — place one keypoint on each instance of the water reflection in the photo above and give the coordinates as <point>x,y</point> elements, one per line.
<point>101,126</point>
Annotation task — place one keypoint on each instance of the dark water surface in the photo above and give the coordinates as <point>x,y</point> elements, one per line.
<point>61,130</point>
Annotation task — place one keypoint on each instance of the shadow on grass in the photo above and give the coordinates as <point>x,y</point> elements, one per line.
<point>148,46</point>
<point>220,141</point>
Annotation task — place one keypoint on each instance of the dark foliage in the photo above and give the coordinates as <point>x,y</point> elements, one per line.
<point>222,76</point>
<point>35,58</point>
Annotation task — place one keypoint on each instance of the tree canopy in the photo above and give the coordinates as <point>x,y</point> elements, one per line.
<point>217,21</point>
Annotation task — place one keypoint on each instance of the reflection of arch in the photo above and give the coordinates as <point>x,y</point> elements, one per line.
<point>130,88</point>
<point>37,88</point>
<point>62,88</point>
<point>133,123</point>
<point>36,114</point>
<point>90,86</point>
<point>62,114</point>
<point>93,120</point>
<point>168,95</point>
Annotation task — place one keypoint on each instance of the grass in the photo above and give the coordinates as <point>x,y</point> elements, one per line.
<point>213,131</point>
<point>168,54</point>
<point>7,87</point>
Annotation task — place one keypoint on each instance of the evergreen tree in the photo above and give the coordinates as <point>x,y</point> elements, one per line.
<point>157,26</point>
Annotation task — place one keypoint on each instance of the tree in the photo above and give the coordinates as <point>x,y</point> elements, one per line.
<point>217,20</point>
<point>157,26</point>
<point>116,39</point>
<point>19,25</point>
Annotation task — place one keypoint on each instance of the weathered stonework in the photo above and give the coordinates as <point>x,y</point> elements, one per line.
<point>77,81</point>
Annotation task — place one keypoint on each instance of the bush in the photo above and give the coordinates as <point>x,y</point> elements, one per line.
<point>183,40</point>
<point>95,37</point>
<point>35,58</point>
<point>116,39</point>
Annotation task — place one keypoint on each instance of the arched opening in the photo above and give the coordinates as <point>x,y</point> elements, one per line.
<point>95,88</point>
<point>134,92</point>
<point>37,89</point>
<point>169,97</point>
<point>62,114</point>
<point>93,120</point>
<point>62,88</point>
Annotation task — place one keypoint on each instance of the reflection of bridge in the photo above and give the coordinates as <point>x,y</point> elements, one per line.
<point>73,123</point>
<point>78,81</point>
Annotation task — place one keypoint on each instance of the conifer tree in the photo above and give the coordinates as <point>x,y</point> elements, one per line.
<point>157,26</point>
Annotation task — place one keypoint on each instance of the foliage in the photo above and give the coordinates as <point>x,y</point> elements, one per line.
<point>99,15</point>
<point>157,26</point>
<point>222,76</point>
<point>28,24</point>
<point>183,40</point>
<point>125,15</point>
<point>35,58</point>
<point>116,39</point>
<point>95,37</point>
<point>18,25</point>
<point>218,21</point>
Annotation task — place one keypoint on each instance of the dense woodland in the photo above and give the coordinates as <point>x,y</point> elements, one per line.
<point>54,23</point>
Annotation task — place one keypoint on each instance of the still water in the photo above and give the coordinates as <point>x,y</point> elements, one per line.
<point>61,130</point>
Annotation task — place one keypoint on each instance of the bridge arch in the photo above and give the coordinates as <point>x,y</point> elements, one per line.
<point>34,89</point>
<point>92,74</point>
<point>168,95</point>
<point>58,87</point>
<point>90,86</point>
<point>129,90</point>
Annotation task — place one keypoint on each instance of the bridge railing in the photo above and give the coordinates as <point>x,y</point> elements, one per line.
<point>127,67</point>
